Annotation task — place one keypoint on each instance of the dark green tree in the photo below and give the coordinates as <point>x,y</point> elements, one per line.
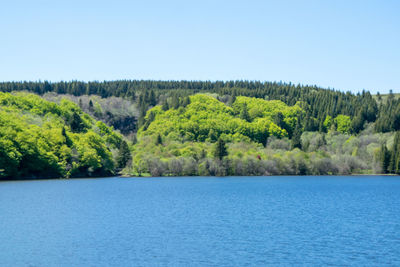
<point>296,137</point>
<point>91,105</point>
<point>152,98</point>
<point>165,106</point>
<point>159,140</point>
<point>185,101</point>
<point>220,149</point>
<point>68,140</point>
<point>384,158</point>
<point>175,102</point>
<point>395,155</point>
<point>278,119</point>
<point>244,113</point>
<point>77,124</point>
<point>124,155</point>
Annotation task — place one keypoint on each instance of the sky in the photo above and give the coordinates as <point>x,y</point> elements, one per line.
<point>345,45</point>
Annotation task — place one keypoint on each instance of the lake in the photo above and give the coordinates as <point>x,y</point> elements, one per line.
<point>230,221</point>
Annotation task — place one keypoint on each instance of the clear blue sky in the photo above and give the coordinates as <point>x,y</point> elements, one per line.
<point>346,45</point>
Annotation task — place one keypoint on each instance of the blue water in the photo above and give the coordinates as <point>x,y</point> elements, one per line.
<point>201,221</point>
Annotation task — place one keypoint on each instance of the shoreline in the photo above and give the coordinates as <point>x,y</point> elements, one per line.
<point>231,176</point>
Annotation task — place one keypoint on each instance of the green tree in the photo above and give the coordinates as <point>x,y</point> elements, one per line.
<point>384,158</point>
<point>124,155</point>
<point>165,106</point>
<point>296,138</point>
<point>343,123</point>
<point>159,140</point>
<point>244,113</point>
<point>395,155</point>
<point>220,149</point>
<point>91,105</point>
<point>77,124</point>
<point>175,102</point>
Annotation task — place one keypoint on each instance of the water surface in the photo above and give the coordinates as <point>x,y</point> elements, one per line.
<point>201,221</point>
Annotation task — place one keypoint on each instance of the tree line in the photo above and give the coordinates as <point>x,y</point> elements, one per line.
<point>317,102</point>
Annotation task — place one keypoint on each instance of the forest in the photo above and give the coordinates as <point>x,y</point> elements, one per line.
<point>42,139</point>
<point>179,128</point>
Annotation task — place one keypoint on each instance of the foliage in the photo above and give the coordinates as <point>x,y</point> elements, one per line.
<point>40,139</point>
<point>316,102</point>
<point>206,119</point>
<point>208,137</point>
<point>343,123</point>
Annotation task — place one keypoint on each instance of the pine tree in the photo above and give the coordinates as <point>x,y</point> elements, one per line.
<point>278,119</point>
<point>165,106</point>
<point>220,150</point>
<point>244,113</point>
<point>124,155</point>
<point>185,101</point>
<point>77,123</point>
<point>91,105</point>
<point>175,102</point>
<point>384,158</point>
<point>394,155</point>
<point>142,113</point>
<point>68,140</point>
<point>159,140</point>
<point>152,98</point>
<point>296,137</point>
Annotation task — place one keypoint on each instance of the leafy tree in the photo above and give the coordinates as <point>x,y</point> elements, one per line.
<point>343,123</point>
<point>34,142</point>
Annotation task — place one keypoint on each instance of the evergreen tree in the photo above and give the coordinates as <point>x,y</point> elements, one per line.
<point>77,123</point>
<point>159,140</point>
<point>150,119</point>
<point>175,102</point>
<point>244,113</point>
<point>278,120</point>
<point>395,155</point>
<point>124,155</point>
<point>357,124</point>
<point>90,105</point>
<point>384,158</point>
<point>185,101</point>
<point>296,138</point>
<point>142,113</point>
<point>152,98</point>
<point>165,106</point>
<point>68,140</point>
<point>220,150</point>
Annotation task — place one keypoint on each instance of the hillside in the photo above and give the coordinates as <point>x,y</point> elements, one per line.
<point>253,136</point>
<point>41,139</point>
<point>317,102</point>
<point>194,128</point>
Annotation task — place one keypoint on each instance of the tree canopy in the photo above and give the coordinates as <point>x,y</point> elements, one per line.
<point>40,139</point>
